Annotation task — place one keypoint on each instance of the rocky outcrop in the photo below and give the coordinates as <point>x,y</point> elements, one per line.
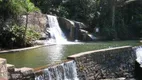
<point>36,21</point>
<point>74,30</point>
<point>68,28</point>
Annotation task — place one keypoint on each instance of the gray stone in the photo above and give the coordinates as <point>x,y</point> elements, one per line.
<point>3,68</point>
<point>27,71</point>
<point>106,63</point>
<point>115,79</point>
<point>10,67</point>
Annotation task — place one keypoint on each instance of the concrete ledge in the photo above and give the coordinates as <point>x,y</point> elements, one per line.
<point>2,59</point>
<point>101,50</point>
<point>115,79</point>
<point>10,67</point>
<point>119,79</point>
<point>22,49</point>
<point>27,71</point>
<point>16,50</point>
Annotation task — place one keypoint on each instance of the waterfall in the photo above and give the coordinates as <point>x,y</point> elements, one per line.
<point>56,34</point>
<point>64,71</point>
<point>139,55</point>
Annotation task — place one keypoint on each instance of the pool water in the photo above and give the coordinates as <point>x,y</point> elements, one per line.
<point>57,53</point>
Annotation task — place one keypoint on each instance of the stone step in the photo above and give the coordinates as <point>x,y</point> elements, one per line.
<point>27,71</point>
<point>115,79</point>
<point>17,69</point>
<point>10,67</point>
<point>119,79</point>
<point>23,73</point>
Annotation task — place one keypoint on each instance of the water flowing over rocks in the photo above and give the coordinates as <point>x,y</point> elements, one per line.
<point>72,30</point>
<point>138,51</point>
<point>64,71</point>
<point>56,34</point>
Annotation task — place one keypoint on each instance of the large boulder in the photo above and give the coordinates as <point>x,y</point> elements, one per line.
<point>68,28</point>
<point>36,21</point>
<point>74,30</point>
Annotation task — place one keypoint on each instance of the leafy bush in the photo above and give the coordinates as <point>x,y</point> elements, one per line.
<point>13,37</point>
<point>31,36</point>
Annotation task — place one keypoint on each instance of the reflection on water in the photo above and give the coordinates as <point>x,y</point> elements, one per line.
<point>36,57</point>
<point>56,53</point>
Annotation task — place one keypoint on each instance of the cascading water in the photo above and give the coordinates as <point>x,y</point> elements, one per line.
<point>56,34</point>
<point>64,71</point>
<point>139,55</point>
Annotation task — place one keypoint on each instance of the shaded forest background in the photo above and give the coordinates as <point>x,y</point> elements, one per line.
<point>116,19</point>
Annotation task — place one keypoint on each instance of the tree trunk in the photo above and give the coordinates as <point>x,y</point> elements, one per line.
<point>113,18</point>
<point>26,25</point>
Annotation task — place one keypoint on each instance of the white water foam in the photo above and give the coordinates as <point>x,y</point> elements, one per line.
<point>56,34</point>
<point>64,71</point>
<point>139,55</point>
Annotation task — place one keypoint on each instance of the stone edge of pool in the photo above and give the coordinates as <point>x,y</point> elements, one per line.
<point>23,49</point>
<point>94,51</point>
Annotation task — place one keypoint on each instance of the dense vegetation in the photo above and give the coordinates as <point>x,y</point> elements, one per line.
<point>117,19</point>
<point>12,34</point>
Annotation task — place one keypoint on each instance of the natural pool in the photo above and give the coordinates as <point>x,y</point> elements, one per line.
<point>56,53</point>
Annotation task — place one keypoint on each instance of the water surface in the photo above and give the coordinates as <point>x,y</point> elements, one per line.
<point>56,53</point>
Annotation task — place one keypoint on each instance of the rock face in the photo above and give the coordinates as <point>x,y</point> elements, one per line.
<point>68,28</point>
<point>105,63</point>
<point>74,30</point>
<point>36,21</point>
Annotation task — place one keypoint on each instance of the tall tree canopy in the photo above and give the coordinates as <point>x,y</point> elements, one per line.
<point>116,18</point>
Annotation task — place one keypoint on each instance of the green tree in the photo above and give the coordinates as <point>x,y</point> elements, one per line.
<point>10,12</point>
<point>48,6</point>
<point>29,7</point>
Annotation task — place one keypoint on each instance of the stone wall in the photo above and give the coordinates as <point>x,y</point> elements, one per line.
<point>105,63</point>
<point>3,69</point>
<point>23,73</point>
